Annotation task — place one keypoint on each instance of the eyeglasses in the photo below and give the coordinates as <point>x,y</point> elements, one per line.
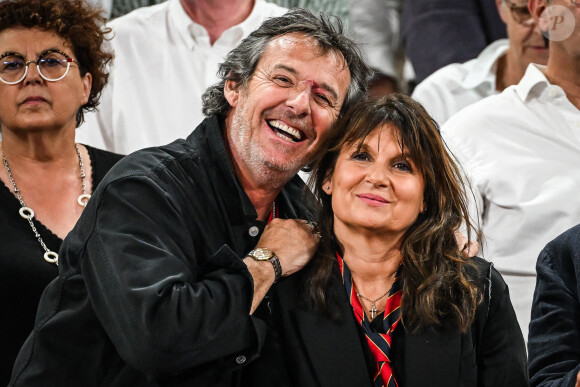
<point>520,13</point>
<point>52,65</point>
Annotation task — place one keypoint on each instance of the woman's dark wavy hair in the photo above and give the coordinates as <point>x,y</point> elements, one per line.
<point>78,23</point>
<point>241,62</point>
<point>436,284</point>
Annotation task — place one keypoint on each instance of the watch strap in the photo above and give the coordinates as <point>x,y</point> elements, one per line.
<point>275,261</point>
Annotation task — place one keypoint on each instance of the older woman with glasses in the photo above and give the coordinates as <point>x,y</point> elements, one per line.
<point>52,70</point>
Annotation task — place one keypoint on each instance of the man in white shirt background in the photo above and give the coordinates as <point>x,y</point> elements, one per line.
<point>501,64</point>
<point>166,55</point>
<point>521,152</point>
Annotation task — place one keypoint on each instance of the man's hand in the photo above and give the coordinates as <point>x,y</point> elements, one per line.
<point>294,241</point>
<point>578,380</point>
<point>469,249</point>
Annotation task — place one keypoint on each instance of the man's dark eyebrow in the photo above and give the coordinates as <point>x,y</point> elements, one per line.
<point>323,85</point>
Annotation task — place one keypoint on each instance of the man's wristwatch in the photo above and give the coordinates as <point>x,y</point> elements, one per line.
<point>264,254</point>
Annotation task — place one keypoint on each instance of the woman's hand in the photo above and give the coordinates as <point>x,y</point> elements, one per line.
<point>469,249</point>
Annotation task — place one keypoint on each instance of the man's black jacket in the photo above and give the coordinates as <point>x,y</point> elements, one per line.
<point>151,288</point>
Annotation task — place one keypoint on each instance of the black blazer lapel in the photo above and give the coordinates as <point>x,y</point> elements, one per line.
<point>334,349</point>
<point>330,350</point>
<point>432,358</point>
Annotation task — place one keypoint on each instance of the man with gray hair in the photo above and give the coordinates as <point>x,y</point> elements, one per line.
<point>162,280</point>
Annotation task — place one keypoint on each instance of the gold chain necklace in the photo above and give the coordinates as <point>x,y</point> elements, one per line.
<point>27,212</point>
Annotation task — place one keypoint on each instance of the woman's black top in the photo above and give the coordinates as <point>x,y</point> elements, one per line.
<point>23,271</point>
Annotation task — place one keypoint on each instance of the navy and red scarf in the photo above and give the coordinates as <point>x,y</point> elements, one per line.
<point>379,343</point>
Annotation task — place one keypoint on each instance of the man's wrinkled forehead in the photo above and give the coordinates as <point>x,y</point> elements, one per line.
<point>295,40</point>
<point>295,47</point>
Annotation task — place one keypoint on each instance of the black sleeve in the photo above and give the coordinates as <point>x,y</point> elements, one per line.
<point>165,307</point>
<point>502,352</point>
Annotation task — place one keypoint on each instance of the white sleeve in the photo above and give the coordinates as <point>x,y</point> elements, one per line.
<point>375,25</point>
<point>475,200</point>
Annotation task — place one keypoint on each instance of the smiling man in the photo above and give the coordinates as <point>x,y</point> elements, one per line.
<point>162,280</point>
<point>304,88</point>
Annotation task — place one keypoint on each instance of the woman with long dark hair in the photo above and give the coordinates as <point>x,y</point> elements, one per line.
<point>389,299</point>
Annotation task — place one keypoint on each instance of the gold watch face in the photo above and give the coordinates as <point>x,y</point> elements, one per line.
<point>261,254</point>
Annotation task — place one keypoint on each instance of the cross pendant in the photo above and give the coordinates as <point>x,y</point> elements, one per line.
<point>373,311</point>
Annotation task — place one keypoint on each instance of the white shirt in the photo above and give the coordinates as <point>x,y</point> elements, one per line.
<point>521,151</point>
<point>163,64</point>
<point>455,86</point>
<point>375,25</point>
<point>106,5</point>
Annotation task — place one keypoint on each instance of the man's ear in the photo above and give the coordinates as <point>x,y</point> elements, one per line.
<point>231,92</point>
<point>500,10</point>
<point>537,7</point>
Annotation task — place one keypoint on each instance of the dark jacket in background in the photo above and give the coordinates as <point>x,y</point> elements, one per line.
<point>436,33</point>
<point>554,337</point>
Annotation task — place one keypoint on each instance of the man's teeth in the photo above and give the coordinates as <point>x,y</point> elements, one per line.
<point>282,136</point>
<point>285,132</point>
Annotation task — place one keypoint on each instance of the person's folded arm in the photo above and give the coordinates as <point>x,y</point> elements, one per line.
<point>165,307</point>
